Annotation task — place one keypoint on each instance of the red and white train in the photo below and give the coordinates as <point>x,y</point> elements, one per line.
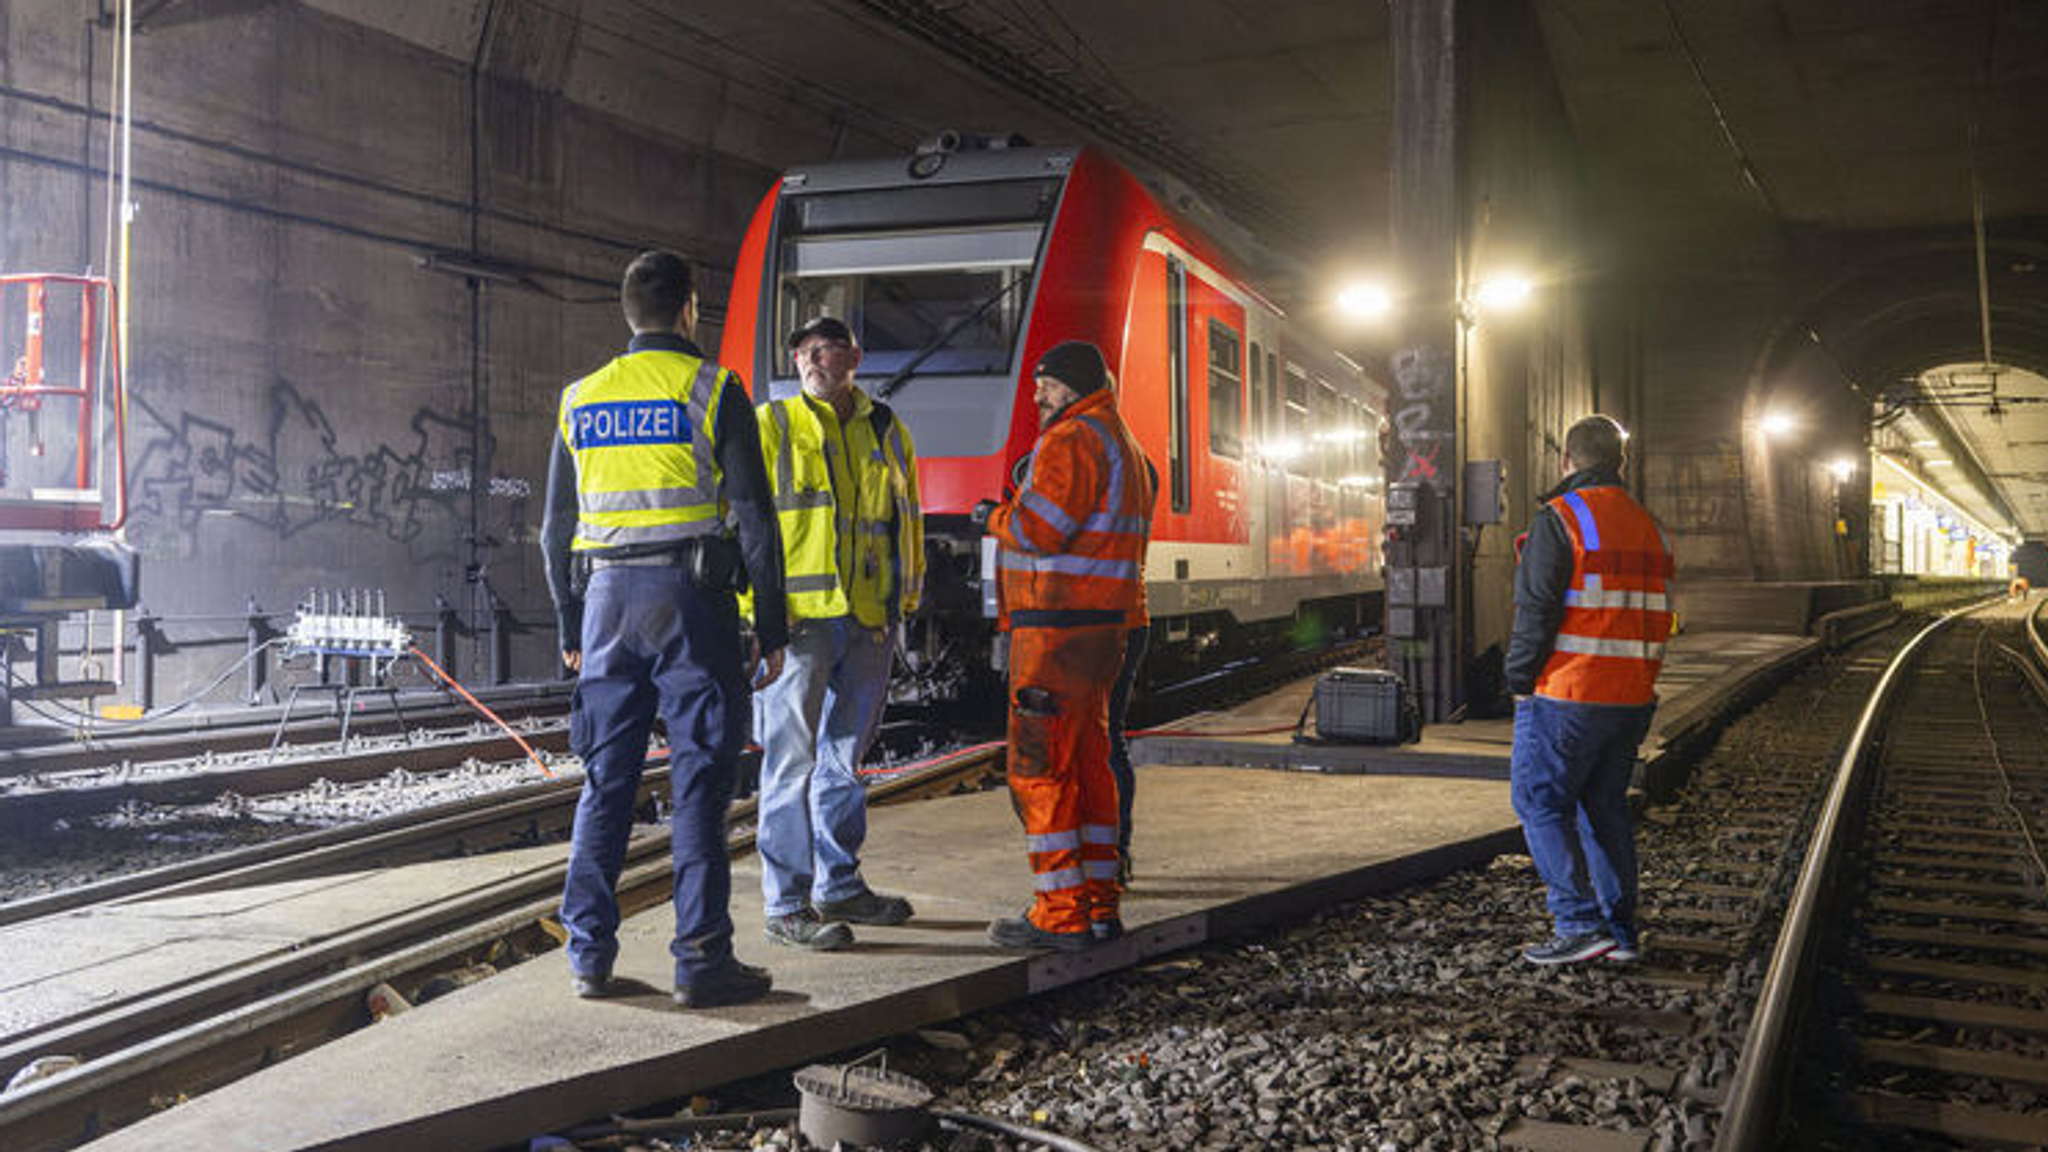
<point>959,267</point>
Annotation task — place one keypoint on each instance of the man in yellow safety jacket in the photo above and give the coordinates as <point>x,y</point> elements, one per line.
<point>1592,615</point>
<point>844,474</point>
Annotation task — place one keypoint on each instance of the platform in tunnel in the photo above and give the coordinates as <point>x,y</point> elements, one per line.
<point>1706,675</point>
<point>517,1055</point>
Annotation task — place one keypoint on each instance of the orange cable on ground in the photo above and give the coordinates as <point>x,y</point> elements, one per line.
<point>479,705</point>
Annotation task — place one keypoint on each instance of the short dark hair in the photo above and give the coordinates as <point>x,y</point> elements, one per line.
<point>1596,442</point>
<point>655,289</point>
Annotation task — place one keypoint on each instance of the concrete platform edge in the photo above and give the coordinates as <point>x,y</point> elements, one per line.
<point>1663,771</point>
<point>513,1118</point>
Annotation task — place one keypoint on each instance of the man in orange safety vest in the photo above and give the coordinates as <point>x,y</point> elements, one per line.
<point>1592,614</point>
<point>1071,575</point>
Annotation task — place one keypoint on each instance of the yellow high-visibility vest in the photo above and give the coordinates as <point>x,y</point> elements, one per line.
<point>640,429</point>
<point>866,558</point>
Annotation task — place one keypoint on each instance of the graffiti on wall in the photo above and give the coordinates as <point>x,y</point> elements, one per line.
<point>1422,378</point>
<point>301,472</point>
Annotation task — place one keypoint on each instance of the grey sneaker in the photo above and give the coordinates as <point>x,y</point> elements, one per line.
<point>592,986</point>
<point>866,907</point>
<point>807,930</point>
<point>1623,954</point>
<point>1569,949</point>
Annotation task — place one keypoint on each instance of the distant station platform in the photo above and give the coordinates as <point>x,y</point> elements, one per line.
<point>517,1054</point>
<point>1706,675</point>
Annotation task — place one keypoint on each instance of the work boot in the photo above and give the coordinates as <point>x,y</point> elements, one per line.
<point>1562,949</point>
<point>805,929</point>
<point>592,986</point>
<point>1106,930</point>
<point>1019,932</point>
<point>866,907</point>
<point>729,983</point>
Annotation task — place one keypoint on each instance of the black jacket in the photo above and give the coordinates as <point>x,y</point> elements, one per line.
<point>738,441</point>
<point>1541,578</point>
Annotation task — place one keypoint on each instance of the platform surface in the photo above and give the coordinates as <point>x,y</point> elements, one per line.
<point>1704,675</point>
<point>517,1055</point>
<point>96,957</point>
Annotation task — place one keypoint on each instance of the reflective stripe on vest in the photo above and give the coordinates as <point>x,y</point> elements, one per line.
<point>866,559</point>
<point>644,448</point>
<point>1617,618</point>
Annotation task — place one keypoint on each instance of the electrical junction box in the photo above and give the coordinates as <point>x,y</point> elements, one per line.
<point>1485,491</point>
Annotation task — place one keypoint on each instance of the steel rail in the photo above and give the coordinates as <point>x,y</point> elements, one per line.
<point>404,836</point>
<point>1750,1116</point>
<point>244,732</point>
<point>197,1035</point>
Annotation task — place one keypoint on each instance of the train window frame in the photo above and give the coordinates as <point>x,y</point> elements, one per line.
<point>1226,436</point>
<point>1178,449</point>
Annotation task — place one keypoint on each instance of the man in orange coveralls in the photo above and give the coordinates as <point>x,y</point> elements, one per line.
<point>1071,573</point>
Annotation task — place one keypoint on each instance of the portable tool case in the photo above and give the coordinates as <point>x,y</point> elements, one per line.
<point>1361,706</point>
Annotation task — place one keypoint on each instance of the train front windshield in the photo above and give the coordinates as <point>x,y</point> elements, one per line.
<point>942,272</point>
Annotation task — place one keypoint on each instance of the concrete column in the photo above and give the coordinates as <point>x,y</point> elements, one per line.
<point>1425,578</point>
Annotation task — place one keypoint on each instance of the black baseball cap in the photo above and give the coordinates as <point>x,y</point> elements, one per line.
<point>830,327</point>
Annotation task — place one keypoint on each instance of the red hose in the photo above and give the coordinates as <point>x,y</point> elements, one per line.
<point>481,707</point>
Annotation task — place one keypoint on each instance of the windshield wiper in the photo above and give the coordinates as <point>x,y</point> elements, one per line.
<point>898,378</point>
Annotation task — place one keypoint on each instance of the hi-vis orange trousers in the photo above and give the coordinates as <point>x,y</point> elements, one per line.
<point>1060,680</point>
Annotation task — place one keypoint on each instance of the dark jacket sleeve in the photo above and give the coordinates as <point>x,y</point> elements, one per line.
<point>557,531</point>
<point>1540,583</point>
<point>753,511</point>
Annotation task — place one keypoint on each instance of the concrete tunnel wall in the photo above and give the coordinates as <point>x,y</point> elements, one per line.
<point>309,407</point>
<point>1528,376</point>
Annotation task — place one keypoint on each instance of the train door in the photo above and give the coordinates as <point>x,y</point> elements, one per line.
<point>1259,436</point>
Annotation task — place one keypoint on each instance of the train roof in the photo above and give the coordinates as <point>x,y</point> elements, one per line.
<point>966,165</point>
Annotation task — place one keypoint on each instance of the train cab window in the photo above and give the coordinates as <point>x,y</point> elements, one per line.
<point>1226,391</point>
<point>1177,368</point>
<point>910,268</point>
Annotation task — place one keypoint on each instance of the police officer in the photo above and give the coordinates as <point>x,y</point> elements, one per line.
<point>1591,620</point>
<point>844,472</point>
<point>657,452</point>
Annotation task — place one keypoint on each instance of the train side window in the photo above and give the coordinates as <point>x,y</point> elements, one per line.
<point>1298,433</point>
<point>1330,427</point>
<point>1177,376</point>
<point>1261,416</point>
<point>1226,391</point>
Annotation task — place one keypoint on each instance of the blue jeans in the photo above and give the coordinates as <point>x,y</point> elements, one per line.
<point>1568,777</point>
<point>814,724</point>
<point>654,643</point>
<point>1135,642</point>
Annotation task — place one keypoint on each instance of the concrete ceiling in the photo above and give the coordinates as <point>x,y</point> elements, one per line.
<point>1742,120</point>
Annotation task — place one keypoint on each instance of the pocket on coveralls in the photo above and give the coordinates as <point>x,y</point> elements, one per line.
<point>1032,711</point>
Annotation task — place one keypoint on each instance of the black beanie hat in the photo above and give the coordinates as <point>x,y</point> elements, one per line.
<point>1077,364</point>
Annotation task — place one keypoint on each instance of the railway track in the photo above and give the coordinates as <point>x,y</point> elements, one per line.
<point>1410,1021</point>
<point>205,1029</point>
<point>1907,1002</point>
